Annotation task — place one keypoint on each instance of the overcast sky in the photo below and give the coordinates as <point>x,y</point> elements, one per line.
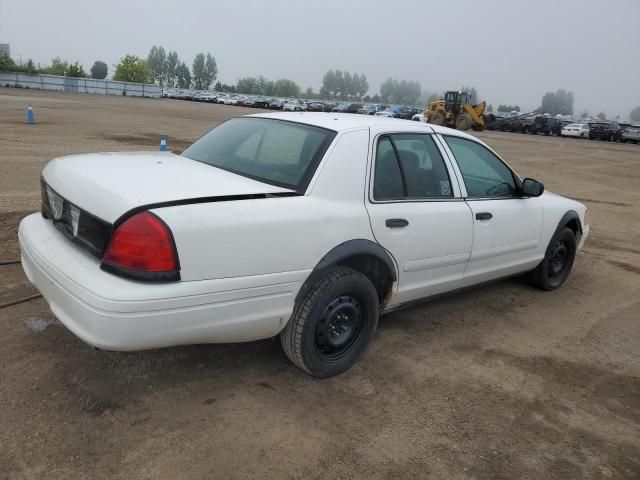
<point>511,51</point>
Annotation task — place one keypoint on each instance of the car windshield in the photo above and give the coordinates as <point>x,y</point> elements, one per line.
<point>272,151</point>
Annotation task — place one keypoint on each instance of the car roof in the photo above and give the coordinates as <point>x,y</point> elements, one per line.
<point>348,121</point>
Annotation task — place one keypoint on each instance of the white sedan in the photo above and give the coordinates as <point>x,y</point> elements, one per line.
<point>293,106</point>
<point>305,225</point>
<point>580,130</point>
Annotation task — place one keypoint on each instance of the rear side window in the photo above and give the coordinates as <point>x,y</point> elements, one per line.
<point>484,174</point>
<point>272,151</point>
<point>409,166</point>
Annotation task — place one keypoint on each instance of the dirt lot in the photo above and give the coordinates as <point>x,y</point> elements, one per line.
<point>500,382</point>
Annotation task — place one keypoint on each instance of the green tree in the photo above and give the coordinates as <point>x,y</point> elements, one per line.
<point>6,63</point>
<point>172,63</point>
<point>602,116</point>
<point>339,84</point>
<point>210,70</point>
<point>198,72</point>
<point>29,67</point>
<point>99,70</point>
<point>558,102</point>
<point>157,61</point>
<point>388,90</point>
<point>204,71</point>
<point>584,114</point>
<point>328,89</point>
<point>363,85</point>
<point>133,69</point>
<point>348,85</point>
<point>490,108</point>
<point>286,88</point>
<point>635,114</point>
<point>75,70</point>
<point>183,76</point>
<point>57,67</point>
<point>508,108</point>
<point>248,85</point>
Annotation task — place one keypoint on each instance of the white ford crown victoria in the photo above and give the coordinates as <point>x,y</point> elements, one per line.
<point>307,225</point>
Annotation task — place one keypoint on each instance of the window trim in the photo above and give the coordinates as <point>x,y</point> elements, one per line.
<point>456,194</point>
<point>465,194</point>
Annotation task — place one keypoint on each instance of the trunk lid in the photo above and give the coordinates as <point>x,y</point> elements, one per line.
<point>107,185</point>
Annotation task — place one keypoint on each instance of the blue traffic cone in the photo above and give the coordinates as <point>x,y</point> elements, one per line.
<point>163,143</point>
<point>31,119</point>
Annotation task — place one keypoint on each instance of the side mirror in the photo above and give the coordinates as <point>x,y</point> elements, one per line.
<point>532,188</point>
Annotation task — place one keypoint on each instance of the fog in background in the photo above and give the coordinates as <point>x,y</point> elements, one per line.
<point>512,52</point>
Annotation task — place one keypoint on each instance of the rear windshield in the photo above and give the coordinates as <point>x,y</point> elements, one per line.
<point>272,151</point>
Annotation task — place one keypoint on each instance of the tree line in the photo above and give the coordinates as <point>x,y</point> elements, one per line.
<point>167,70</point>
<point>343,85</point>
<point>262,86</point>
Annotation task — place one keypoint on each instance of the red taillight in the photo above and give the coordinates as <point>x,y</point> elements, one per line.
<point>142,243</point>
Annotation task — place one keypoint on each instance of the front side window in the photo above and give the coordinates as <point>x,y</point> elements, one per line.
<point>484,174</point>
<point>271,151</point>
<point>409,166</point>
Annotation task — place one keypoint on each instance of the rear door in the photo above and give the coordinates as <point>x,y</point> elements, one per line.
<point>507,227</point>
<point>417,213</point>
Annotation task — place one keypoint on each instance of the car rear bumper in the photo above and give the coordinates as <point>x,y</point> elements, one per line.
<point>114,313</point>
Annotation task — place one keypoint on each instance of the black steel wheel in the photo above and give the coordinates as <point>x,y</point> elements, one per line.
<point>554,269</point>
<point>339,327</point>
<point>332,325</point>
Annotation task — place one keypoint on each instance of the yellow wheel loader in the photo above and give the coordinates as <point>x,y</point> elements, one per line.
<point>457,111</point>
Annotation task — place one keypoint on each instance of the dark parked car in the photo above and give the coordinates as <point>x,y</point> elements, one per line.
<point>315,107</point>
<point>276,104</point>
<point>631,134</point>
<point>262,102</point>
<point>546,125</point>
<point>610,131</point>
<point>368,110</point>
<point>519,125</point>
<point>407,113</point>
<point>348,108</point>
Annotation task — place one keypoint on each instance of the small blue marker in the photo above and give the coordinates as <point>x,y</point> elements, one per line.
<point>31,119</point>
<point>163,143</point>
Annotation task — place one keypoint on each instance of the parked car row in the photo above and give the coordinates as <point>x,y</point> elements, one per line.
<point>294,104</point>
<point>609,130</point>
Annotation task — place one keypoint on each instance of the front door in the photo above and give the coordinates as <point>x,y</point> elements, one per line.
<point>418,215</point>
<point>507,227</point>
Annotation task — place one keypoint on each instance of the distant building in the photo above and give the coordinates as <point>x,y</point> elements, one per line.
<point>4,48</point>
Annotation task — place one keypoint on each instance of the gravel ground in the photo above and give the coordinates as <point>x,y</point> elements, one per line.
<point>499,382</point>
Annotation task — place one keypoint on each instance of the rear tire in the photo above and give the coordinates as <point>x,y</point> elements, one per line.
<point>554,269</point>
<point>333,323</point>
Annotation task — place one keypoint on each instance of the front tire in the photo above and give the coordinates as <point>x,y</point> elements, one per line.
<point>464,121</point>
<point>554,269</point>
<point>333,323</point>
<point>437,118</point>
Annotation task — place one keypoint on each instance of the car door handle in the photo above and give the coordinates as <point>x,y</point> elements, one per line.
<point>396,222</point>
<point>484,216</point>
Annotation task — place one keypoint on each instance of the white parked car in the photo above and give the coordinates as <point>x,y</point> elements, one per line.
<point>306,225</point>
<point>231,100</point>
<point>580,130</point>
<point>293,106</point>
